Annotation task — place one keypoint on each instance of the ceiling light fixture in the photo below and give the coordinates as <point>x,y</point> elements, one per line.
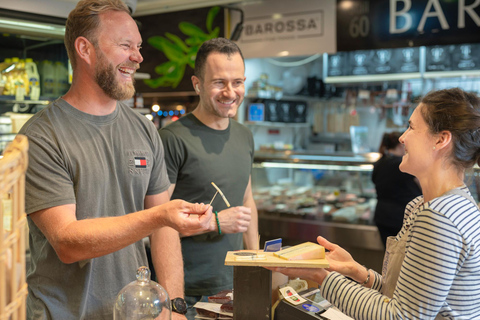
<point>31,28</point>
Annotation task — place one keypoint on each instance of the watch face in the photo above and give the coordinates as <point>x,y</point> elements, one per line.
<point>179,305</point>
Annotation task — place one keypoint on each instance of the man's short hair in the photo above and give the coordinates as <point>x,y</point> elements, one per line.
<point>84,20</point>
<point>220,45</point>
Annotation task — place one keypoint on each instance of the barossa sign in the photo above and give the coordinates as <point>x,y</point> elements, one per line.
<point>276,26</point>
<point>401,23</point>
<point>298,24</point>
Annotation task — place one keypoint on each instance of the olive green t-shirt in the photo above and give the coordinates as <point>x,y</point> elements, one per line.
<point>196,156</point>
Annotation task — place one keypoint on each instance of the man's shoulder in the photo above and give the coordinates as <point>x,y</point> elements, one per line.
<point>42,119</point>
<point>239,126</point>
<point>182,123</point>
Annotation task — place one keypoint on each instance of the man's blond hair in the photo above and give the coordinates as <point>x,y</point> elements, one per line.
<point>84,20</point>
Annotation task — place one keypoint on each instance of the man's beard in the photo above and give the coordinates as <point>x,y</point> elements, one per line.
<point>105,76</point>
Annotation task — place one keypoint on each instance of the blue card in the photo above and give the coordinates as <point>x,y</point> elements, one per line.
<point>273,245</point>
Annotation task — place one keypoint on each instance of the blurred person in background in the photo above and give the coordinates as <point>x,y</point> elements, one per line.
<point>394,188</point>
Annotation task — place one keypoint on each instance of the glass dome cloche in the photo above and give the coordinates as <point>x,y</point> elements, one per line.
<point>142,299</point>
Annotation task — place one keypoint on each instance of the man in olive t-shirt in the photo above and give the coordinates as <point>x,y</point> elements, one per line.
<point>209,146</point>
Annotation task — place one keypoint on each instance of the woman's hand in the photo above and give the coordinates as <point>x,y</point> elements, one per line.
<point>339,260</point>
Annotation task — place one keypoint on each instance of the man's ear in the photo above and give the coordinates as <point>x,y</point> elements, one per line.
<point>85,50</point>
<point>196,83</point>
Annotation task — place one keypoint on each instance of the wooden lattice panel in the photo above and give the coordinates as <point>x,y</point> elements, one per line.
<point>13,286</point>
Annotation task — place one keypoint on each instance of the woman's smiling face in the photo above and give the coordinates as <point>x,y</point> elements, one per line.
<point>419,145</point>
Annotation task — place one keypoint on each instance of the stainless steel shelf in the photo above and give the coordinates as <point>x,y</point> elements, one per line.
<point>42,102</point>
<point>373,78</point>
<point>278,124</point>
<point>317,158</point>
<point>451,74</point>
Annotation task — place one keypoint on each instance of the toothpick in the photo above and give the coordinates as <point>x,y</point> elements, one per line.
<point>210,204</point>
<point>221,193</point>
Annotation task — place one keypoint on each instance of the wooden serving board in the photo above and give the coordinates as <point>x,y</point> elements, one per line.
<point>271,260</point>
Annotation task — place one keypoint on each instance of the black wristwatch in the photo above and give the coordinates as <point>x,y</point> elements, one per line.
<point>179,305</point>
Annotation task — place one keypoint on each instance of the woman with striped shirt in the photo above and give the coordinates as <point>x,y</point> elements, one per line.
<point>432,267</point>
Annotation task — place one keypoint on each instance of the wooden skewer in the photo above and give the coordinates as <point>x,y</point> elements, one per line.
<point>213,198</point>
<point>221,193</point>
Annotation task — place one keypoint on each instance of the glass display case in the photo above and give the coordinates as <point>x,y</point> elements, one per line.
<point>302,195</point>
<point>333,187</point>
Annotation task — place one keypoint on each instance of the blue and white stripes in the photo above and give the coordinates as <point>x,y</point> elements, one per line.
<point>440,273</point>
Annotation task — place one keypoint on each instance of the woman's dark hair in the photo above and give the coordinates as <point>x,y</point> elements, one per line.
<point>220,45</point>
<point>456,111</point>
<point>389,141</point>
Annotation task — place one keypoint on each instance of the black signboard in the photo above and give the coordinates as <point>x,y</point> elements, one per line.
<point>363,25</point>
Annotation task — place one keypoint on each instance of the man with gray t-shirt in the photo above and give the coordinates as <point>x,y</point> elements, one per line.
<point>96,184</point>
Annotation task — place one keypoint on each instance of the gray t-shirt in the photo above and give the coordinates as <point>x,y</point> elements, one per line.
<point>197,155</point>
<point>106,165</point>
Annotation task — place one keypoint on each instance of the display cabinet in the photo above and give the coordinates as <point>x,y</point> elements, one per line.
<point>302,195</point>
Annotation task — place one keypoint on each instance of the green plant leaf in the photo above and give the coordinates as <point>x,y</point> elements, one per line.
<point>171,75</point>
<point>175,39</point>
<point>212,13</point>
<point>156,42</point>
<point>215,33</point>
<point>190,29</point>
<point>191,55</point>
<point>179,77</point>
<point>166,68</point>
<point>171,50</point>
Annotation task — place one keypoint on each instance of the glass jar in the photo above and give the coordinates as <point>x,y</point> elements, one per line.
<point>142,299</point>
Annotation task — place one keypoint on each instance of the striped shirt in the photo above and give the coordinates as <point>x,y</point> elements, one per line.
<point>440,272</point>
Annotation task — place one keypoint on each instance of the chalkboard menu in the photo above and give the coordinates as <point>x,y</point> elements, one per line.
<point>452,57</point>
<point>285,111</point>
<point>360,62</point>
<point>338,64</point>
<point>407,60</point>
<point>465,57</point>
<point>367,62</point>
<point>438,58</point>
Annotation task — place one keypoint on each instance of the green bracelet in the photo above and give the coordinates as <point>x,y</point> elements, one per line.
<point>218,223</point>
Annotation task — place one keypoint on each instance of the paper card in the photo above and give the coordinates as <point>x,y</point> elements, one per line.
<point>335,314</point>
<point>291,295</point>
<point>213,307</point>
<point>273,245</point>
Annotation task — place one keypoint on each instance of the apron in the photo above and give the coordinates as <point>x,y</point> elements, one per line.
<point>395,253</point>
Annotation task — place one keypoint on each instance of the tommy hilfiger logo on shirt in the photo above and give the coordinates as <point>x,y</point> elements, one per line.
<point>140,162</point>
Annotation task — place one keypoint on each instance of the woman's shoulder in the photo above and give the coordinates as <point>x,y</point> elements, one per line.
<point>453,201</point>
<point>456,207</point>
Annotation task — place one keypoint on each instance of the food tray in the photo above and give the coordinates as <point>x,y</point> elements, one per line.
<point>270,260</point>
